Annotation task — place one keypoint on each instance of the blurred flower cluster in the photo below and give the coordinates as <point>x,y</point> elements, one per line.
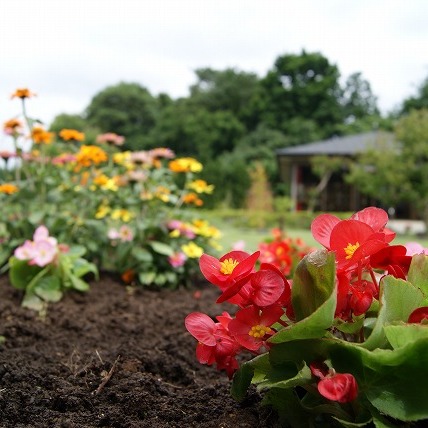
<point>135,213</point>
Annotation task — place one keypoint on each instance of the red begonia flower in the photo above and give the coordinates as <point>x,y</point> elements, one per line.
<point>263,288</point>
<point>419,315</point>
<point>252,326</point>
<point>392,259</point>
<point>341,387</point>
<point>353,242</point>
<point>230,268</point>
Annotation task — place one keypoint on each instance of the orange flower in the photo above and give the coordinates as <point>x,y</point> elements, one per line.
<point>12,126</point>
<point>41,136</point>
<point>8,188</point>
<point>23,93</point>
<point>91,155</point>
<point>128,276</point>
<point>192,198</point>
<point>71,134</point>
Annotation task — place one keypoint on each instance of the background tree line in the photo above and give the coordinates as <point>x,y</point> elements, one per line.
<point>233,121</point>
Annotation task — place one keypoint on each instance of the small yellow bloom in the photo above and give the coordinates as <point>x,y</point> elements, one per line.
<point>103,210</point>
<point>71,135</point>
<point>185,165</point>
<point>8,188</point>
<point>121,214</point>
<point>201,186</point>
<point>192,250</point>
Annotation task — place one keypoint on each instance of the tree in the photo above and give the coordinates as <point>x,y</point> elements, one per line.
<point>127,109</point>
<point>228,90</point>
<point>419,101</point>
<point>358,100</point>
<point>398,172</point>
<point>70,121</point>
<point>194,131</point>
<point>306,87</point>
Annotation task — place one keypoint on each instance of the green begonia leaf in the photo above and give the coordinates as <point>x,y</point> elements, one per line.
<point>403,334</point>
<point>161,248</point>
<point>418,272</point>
<point>48,289</point>
<point>313,282</point>
<point>398,299</point>
<point>21,273</point>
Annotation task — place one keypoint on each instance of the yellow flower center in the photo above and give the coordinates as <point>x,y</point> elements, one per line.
<point>228,265</point>
<point>259,331</point>
<point>350,249</point>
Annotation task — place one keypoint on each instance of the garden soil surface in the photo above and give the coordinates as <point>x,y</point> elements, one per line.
<point>115,356</point>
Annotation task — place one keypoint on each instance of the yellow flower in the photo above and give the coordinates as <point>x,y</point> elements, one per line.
<point>203,228</point>
<point>192,250</point>
<point>41,136</point>
<point>23,93</point>
<point>162,193</point>
<point>91,155</point>
<point>124,159</point>
<point>185,165</point>
<point>103,210</point>
<point>201,186</point>
<point>71,134</point>
<point>8,188</point>
<point>121,214</point>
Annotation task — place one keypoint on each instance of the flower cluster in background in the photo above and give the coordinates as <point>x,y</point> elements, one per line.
<point>120,205</point>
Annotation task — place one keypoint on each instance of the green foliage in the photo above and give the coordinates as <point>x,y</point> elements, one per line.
<point>419,101</point>
<point>304,86</point>
<point>48,283</point>
<point>127,109</point>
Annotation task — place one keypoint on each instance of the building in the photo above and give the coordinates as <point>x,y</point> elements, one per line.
<point>295,168</point>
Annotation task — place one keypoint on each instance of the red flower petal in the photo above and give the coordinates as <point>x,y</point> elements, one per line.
<point>321,228</point>
<point>201,327</point>
<point>418,315</point>
<point>339,387</point>
<point>376,218</point>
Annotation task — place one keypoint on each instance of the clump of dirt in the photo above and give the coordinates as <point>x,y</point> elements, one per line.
<point>114,357</point>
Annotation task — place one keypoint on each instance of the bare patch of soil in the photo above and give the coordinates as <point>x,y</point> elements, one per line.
<point>114,358</point>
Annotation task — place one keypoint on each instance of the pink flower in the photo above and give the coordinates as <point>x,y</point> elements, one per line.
<point>414,248</point>
<point>44,253</point>
<point>25,251</point>
<point>177,259</point>
<point>125,233</point>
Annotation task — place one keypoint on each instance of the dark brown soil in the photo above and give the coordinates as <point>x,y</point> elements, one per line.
<point>114,358</point>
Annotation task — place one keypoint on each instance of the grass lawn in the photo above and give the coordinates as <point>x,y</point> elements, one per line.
<point>252,237</point>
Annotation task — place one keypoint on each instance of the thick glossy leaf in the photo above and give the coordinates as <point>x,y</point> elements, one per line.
<point>78,284</point>
<point>161,248</point>
<point>48,289</point>
<point>21,273</point>
<point>241,381</point>
<point>398,299</point>
<point>279,378</point>
<point>142,255</point>
<point>32,301</point>
<point>418,272</point>
<point>403,334</point>
<point>81,267</point>
<point>313,283</point>
<point>147,278</point>
<point>392,380</point>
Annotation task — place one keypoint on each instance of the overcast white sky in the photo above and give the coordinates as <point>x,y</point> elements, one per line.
<point>69,50</point>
